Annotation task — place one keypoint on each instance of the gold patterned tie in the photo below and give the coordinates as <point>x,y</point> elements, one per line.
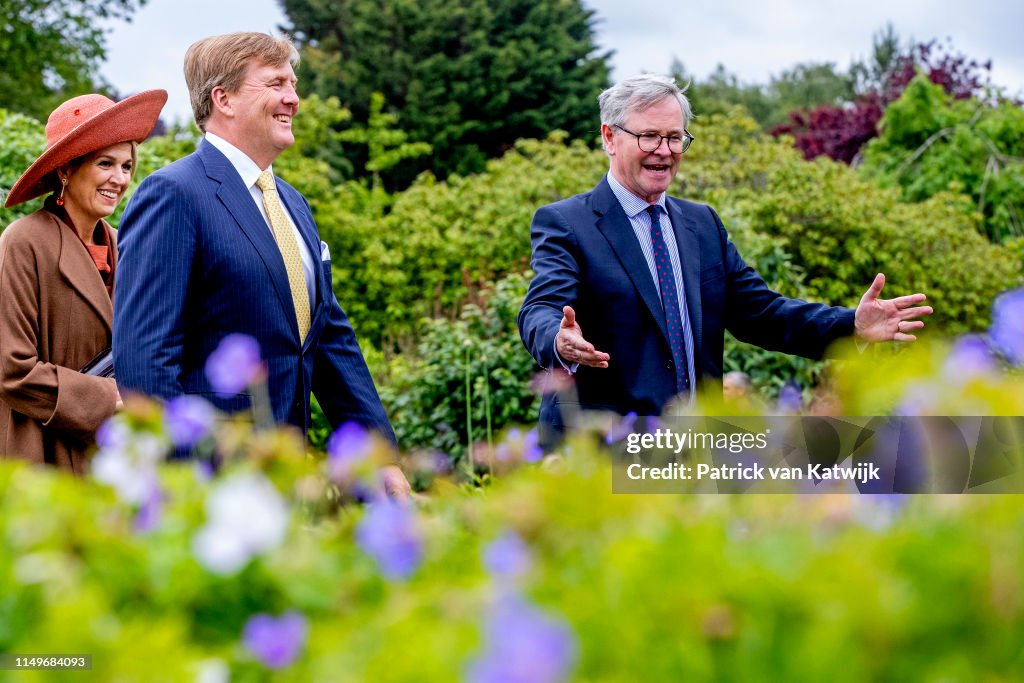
<point>289,250</point>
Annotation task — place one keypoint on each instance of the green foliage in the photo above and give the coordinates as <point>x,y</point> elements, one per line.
<point>468,78</point>
<point>776,587</point>
<point>425,394</point>
<point>441,242</point>
<point>21,141</point>
<point>387,146</point>
<point>802,87</point>
<point>50,50</point>
<point>840,230</point>
<point>931,143</point>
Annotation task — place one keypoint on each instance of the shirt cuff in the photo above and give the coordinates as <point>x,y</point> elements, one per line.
<point>571,369</point>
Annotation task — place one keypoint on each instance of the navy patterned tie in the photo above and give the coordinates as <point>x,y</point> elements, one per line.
<point>669,300</point>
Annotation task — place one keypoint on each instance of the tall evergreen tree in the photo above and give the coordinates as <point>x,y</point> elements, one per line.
<point>468,77</point>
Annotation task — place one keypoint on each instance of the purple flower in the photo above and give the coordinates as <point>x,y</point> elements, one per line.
<point>388,534</point>
<point>621,429</point>
<point>532,451</point>
<point>275,642</point>
<point>879,511</point>
<point>234,365</point>
<point>348,446</point>
<point>507,556</point>
<point>151,511</point>
<point>440,463</point>
<point>790,398</point>
<point>918,399</point>
<point>114,434</point>
<point>1007,329</point>
<point>188,419</point>
<point>970,357</point>
<point>523,645</point>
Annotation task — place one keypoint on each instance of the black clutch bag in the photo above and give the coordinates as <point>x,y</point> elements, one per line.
<point>101,366</point>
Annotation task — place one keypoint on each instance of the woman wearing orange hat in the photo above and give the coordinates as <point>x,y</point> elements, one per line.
<point>57,269</point>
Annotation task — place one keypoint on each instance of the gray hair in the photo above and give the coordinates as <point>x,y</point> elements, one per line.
<point>639,93</point>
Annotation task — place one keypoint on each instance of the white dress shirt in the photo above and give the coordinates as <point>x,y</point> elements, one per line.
<point>250,173</point>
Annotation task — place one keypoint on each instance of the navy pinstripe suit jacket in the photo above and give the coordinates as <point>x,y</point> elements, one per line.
<point>198,262</point>
<point>586,255</point>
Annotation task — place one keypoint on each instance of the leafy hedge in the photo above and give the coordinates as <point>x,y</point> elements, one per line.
<point>818,231</point>
<point>931,143</point>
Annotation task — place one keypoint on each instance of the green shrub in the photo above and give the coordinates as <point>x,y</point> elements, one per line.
<point>931,143</point>
<point>440,243</point>
<point>425,393</point>
<point>819,232</point>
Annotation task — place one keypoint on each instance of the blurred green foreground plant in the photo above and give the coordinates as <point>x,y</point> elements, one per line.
<point>264,569</point>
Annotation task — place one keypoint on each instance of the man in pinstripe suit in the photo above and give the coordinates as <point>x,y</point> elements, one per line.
<point>200,255</point>
<point>654,281</point>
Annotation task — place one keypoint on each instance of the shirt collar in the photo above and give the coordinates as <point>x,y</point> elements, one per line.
<point>631,204</point>
<point>241,162</point>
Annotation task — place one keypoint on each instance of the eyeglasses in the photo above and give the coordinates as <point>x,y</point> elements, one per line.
<point>650,142</point>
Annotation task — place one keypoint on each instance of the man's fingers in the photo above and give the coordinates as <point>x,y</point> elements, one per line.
<point>875,289</point>
<point>576,349</point>
<point>594,360</point>
<point>908,313</point>
<point>909,300</point>
<point>569,316</point>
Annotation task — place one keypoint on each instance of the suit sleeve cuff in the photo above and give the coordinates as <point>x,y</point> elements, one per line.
<point>571,369</point>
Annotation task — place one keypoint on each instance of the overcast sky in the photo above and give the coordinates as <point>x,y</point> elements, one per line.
<point>752,38</point>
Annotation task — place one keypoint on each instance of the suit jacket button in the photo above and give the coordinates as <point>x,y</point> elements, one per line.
<point>670,365</point>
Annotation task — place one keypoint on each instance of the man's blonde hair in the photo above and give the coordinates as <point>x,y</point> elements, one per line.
<point>223,60</point>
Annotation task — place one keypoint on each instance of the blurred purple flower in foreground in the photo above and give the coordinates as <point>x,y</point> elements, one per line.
<point>275,642</point>
<point>127,460</point>
<point>507,556</point>
<point>791,399</point>
<point>245,516</point>
<point>919,398</point>
<point>621,429</point>
<point>114,434</point>
<point>188,419</point>
<point>348,446</point>
<point>532,451</point>
<point>523,645</point>
<point>970,357</point>
<point>1007,329</point>
<point>234,364</point>
<point>151,511</point>
<point>388,534</point>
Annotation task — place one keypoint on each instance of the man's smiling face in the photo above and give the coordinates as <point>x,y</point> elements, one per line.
<point>645,174</point>
<point>263,108</point>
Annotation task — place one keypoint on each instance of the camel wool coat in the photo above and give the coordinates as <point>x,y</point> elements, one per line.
<point>55,316</point>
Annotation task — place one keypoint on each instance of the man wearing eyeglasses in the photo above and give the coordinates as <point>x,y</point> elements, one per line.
<point>634,289</point>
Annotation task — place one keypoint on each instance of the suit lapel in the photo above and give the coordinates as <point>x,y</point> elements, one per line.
<point>239,203</point>
<point>77,268</point>
<point>615,226</point>
<point>685,229</point>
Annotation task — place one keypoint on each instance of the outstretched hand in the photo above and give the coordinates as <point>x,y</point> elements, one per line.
<point>572,347</point>
<point>879,320</point>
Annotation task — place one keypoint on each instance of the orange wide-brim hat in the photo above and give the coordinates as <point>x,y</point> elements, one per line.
<point>82,125</point>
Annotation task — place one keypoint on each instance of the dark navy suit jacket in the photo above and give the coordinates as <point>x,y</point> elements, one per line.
<point>198,262</point>
<point>586,255</point>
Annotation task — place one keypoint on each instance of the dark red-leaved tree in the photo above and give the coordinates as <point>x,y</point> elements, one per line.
<point>839,131</point>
